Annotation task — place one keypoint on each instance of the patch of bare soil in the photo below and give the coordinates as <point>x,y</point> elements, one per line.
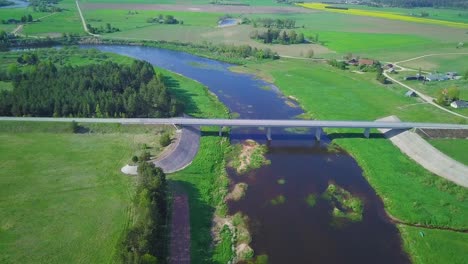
<point>202,8</point>
<point>248,148</point>
<point>443,133</point>
<point>180,230</point>
<point>238,192</point>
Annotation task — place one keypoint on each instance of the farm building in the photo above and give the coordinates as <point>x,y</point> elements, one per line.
<point>366,62</point>
<point>459,104</point>
<point>452,75</point>
<point>353,62</point>
<point>436,77</point>
<point>415,78</point>
<point>411,94</point>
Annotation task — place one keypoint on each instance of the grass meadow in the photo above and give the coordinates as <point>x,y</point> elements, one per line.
<point>455,148</point>
<point>64,199</point>
<point>408,191</point>
<point>441,63</point>
<point>192,2</point>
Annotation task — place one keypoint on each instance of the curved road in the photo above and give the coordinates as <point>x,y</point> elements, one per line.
<point>426,155</point>
<point>184,152</point>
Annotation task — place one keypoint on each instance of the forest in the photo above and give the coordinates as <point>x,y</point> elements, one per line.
<point>40,88</point>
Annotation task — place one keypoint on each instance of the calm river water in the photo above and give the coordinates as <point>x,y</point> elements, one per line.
<point>291,232</point>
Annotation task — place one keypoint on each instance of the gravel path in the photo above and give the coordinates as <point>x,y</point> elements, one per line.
<point>426,155</point>
<point>180,230</point>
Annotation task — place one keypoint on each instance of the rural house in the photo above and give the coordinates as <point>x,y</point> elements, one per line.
<point>459,104</point>
<point>436,77</point>
<point>366,62</point>
<point>411,94</point>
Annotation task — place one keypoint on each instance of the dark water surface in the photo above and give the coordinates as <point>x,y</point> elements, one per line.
<point>17,4</point>
<point>292,232</point>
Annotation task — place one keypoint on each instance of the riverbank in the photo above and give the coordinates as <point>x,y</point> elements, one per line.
<point>408,191</point>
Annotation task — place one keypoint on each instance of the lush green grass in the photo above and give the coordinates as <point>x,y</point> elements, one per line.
<point>67,21</point>
<point>374,37</point>
<point>204,180</point>
<point>433,88</point>
<point>194,2</point>
<point>442,63</point>
<point>408,191</point>
<point>63,199</point>
<point>435,246</point>
<point>6,86</point>
<point>455,148</point>
<point>454,15</point>
<point>357,42</point>
<point>125,21</point>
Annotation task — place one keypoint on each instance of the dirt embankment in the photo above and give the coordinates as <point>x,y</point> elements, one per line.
<point>180,230</point>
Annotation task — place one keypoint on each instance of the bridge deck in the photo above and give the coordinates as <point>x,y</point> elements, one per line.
<point>246,122</point>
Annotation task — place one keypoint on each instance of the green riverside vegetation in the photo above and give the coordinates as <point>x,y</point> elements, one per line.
<point>409,192</point>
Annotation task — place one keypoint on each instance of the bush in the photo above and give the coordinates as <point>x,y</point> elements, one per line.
<point>144,156</point>
<point>134,159</point>
<point>165,140</point>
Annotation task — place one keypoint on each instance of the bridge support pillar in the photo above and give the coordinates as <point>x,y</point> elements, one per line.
<point>220,131</point>
<point>367,132</point>
<point>269,133</point>
<point>318,133</point>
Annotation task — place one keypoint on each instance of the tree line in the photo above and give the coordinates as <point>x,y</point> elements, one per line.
<point>421,3</point>
<point>279,37</point>
<point>99,90</point>
<point>274,23</point>
<point>23,19</point>
<point>168,19</point>
<point>99,30</point>
<point>45,5</point>
<point>147,240</point>
<point>6,3</point>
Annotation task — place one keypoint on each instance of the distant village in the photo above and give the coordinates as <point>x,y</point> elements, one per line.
<point>429,77</point>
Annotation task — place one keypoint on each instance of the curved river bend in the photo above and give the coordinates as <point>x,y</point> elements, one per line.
<point>292,232</point>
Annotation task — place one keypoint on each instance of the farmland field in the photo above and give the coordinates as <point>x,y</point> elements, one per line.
<point>385,15</point>
<point>441,63</point>
<point>455,15</point>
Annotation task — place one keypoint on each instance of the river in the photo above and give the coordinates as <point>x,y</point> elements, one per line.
<point>17,4</point>
<point>292,232</point>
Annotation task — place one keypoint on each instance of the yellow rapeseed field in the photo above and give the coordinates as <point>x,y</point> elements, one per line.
<point>387,15</point>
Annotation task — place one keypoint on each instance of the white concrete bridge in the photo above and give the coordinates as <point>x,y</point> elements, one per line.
<point>264,123</point>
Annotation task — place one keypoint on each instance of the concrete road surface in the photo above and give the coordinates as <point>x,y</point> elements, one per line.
<point>426,155</point>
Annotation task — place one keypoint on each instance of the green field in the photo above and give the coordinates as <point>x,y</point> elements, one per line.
<point>408,191</point>
<point>454,15</point>
<point>192,2</point>
<point>432,246</point>
<point>433,88</point>
<point>64,199</point>
<point>67,21</point>
<point>455,148</point>
<point>441,63</point>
